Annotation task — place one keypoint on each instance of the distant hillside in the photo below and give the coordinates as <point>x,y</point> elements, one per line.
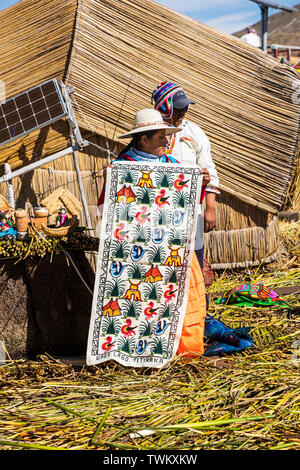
<point>283,27</point>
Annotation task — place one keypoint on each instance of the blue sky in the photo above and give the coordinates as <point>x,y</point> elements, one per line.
<point>226,15</point>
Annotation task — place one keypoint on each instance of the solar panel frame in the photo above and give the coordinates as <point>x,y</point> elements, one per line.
<point>277,6</point>
<point>30,110</point>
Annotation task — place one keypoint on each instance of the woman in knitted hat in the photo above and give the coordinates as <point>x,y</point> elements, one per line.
<point>191,146</point>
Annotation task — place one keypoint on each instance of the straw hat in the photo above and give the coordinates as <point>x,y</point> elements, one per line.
<point>149,120</point>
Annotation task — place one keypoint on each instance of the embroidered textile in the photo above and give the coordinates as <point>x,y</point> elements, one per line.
<point>143,268</point>
<point>251,295</point>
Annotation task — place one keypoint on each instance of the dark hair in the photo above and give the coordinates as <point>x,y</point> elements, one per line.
<point>135,141</point>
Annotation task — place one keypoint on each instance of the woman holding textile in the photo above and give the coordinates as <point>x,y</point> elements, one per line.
<point>150,138</point>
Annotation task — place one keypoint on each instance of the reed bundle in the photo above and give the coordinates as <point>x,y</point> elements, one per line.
<point>242,247</point>
<point>61,197</point>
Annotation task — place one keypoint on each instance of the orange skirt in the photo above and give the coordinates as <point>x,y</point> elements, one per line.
<point>192,337</point>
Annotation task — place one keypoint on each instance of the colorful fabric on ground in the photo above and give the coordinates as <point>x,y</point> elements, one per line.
<point>225,340</point>
<point>144,263</point>
<point>222,349</point>
<point>252,295</point>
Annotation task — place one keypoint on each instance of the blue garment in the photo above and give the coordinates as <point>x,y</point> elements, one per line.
<point>139,156</point>
<point>222,349</point>
<point>11,231</point>
<point>225,340</point>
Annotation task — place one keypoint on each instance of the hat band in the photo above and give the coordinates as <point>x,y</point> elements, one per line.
<point>149,124</point>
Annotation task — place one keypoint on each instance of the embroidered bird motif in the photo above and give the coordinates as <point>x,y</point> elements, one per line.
<point>141,346</point>
<point>127,329</point>
<point>150,311</point>
<point>160,329</point>
<point>137,252</point>
<point>158,235</point>
<point>180,183</point>
<point>160,200</point>
<point>119,233</point>
<point>141,216</point>
<point>177,218</point>
<point>108,344</point>
<point>170,293</point>
<point>116,268</point>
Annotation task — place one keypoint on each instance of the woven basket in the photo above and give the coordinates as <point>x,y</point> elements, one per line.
<point>61,231</point>
<point>4,204</point>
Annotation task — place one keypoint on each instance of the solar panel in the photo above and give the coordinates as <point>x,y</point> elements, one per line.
<point>30,110</point>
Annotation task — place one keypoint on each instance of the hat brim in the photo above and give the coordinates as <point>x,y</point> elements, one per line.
<point>140,130</point>
<point>182,103</point>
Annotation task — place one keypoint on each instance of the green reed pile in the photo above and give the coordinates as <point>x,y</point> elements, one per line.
<point>246,401</point>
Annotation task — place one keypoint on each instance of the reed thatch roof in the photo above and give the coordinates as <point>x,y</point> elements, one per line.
<point>114,52</point>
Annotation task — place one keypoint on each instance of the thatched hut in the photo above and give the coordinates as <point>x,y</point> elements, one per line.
<point>114,52</point>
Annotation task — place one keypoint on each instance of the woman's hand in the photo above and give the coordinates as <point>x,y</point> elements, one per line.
<point>206,176</point>
<point>210,212</point>
<point>209,219</point>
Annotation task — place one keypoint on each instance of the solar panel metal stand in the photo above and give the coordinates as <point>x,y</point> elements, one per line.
<point>264,6</point>
<point>75,136</point>
<point>31,110</point>
<point>69,115</point>
<point>9,190</point>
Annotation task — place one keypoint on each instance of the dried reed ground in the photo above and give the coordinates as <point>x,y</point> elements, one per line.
<point>249,401</point>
